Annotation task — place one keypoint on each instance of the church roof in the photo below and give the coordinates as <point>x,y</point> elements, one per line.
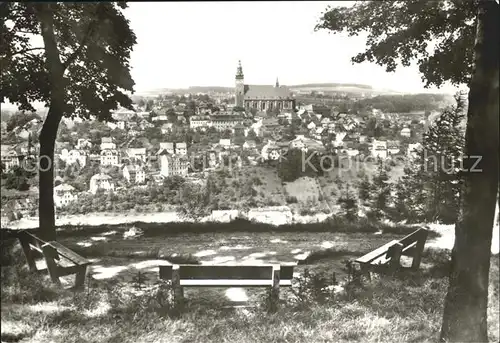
<point>266,92</point>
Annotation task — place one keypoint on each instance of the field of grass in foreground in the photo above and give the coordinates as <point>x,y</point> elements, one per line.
<point>405,309</point>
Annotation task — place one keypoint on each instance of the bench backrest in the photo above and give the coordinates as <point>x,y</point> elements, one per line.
<point>391,249</point>
<point>420,234</point>
<point>54,249</point>
<point>226,272</point>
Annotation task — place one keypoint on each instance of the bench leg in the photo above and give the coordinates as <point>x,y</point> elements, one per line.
<point>28,253</point>
<point>419,249</point>
<point>51,264</point>
<point>275,290</point>
<point>80,278</point>
<point>177,289</point>
<point>395,261</point>
<point>364,271</point>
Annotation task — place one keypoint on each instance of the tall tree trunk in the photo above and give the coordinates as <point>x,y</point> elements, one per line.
<point>48,135</point>
<point>465,310</point>
<point>46,175</point>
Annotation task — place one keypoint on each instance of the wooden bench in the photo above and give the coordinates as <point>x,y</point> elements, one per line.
<point>60,260</point>
<point>266,276</point>
<point>388,256</point>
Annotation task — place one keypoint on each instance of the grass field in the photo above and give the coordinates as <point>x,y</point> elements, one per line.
<point>401,309</point>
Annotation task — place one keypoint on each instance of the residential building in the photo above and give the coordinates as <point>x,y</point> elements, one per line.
<point>270,125</point>
<point>137,154</point>
<point>110,157</point>
<point>305,144</point>
<point>101,181</point>
<point>156,178</point>
<point>122,125</point>
<point>181,148</point>
<point>134,173</point>
<point>171,165</point>
<point>76,156</point>
<point>393,147</point>
<point>64,194</point>
<point>225,143</point>
<point>199,122</point>
<point>379,149</point>
<point>406,132</point>
<point>9,156</point>
<point>249,144</point>
<point>261,97</point>
<point>225,122</point>
<point>325,122</point>
<point>83,143</point>
<point>168,146</point>
<point>166,128</point>
<point>107,143</point>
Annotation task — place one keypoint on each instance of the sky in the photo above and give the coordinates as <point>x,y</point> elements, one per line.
<point>182,44</point>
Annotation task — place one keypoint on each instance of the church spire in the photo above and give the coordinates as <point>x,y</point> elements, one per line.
<point>239,71</point>
<point>277,82</point>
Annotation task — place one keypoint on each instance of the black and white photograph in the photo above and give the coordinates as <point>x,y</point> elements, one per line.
<point>250,171</point>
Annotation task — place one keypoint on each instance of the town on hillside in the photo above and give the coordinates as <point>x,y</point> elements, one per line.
<point>191,136</point>
<point>259,171</point>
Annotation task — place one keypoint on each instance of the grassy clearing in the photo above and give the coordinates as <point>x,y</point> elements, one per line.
<point>333,224</point>
<point>407,308</point>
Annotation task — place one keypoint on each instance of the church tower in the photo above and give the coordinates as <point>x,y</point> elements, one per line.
<point>277,83</point>
<point>240,87</point>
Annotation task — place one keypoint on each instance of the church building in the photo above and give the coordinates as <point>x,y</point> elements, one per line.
<point>262,97</point>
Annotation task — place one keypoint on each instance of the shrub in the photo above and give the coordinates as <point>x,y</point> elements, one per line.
<point>313,287</point>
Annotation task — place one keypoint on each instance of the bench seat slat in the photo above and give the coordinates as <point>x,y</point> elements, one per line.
<point>368,258</point>
<point>232,283</point>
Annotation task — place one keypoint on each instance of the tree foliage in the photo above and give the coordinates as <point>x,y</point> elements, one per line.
<point>80,70</point>
<point>93,41</point>
<point>433,177</point>
<point>400,32</point>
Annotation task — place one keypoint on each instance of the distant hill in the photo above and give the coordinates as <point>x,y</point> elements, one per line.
<point>332,85</point>
<point>308,87</point>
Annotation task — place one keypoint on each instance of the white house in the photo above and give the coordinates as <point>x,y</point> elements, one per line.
<point>134,173</point>
<point>249,144</point>
<point>198,121</point>
<point>379,149</point>
<point>138,154</point>
<point>166,128</point>
<point>110,157</point>
<point>107,143</point>
<point>122,125</point>
<point>64,194</point>
<point>75,156</point>
<point>9,157</point>
<point>393,148</point>
<point>101,181</point>
<point>168,146</point>
<point>325,122</point>
<point>406,132</point>
<point>181,148</point>
<point>225,143</point>
<point>83,143</point>
<point>173,165</point>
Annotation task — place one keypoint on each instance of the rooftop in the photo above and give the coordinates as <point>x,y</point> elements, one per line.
<point>266,92</point>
